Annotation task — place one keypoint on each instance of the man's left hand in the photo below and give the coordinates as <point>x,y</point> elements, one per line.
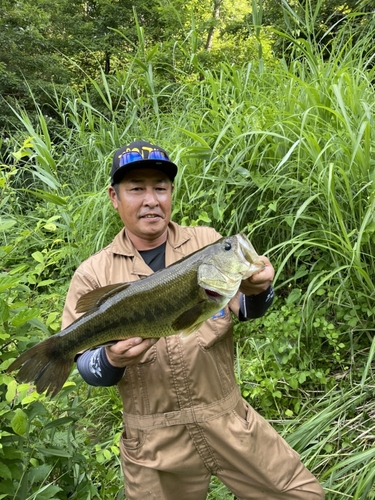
<point>260,281</point>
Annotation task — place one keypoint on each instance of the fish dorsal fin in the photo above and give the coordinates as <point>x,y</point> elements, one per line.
<point>187,321</point>
<point>98,296</point>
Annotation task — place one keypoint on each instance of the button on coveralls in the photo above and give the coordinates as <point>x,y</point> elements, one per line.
<point>184,418</point>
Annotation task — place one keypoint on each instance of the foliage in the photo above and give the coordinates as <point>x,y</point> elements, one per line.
<point>279,148</point>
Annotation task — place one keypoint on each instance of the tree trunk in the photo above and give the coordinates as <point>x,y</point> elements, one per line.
<point>215,18</point>
<point>107,63</point>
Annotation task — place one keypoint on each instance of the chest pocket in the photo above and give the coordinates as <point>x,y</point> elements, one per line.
<point>215,329</point>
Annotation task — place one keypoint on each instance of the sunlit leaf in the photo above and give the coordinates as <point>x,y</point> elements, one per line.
<point>19,422</point>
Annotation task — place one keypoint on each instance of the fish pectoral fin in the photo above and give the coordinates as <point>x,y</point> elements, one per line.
<point>188,322</point>
<point>188,331</point>
<point>98,296</point>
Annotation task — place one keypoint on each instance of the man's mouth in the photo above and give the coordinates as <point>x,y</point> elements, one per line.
<point>150,216</point>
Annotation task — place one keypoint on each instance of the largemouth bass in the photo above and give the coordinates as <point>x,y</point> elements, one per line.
<point>177,299</point>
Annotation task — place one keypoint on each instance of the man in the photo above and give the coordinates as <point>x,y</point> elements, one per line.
<point>184,418</point>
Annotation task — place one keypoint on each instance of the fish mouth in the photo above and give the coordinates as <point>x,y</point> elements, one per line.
<point>249,255</point>
<point>212,295</point>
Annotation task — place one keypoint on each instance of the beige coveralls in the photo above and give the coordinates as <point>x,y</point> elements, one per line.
<point>184,418</point>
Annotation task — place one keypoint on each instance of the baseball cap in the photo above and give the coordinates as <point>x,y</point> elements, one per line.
<point>141,154</point>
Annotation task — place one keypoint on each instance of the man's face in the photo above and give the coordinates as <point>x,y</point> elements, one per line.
<point>144,203</point>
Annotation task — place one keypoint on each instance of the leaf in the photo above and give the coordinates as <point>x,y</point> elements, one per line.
<point>5,472</point>
<point>203,216</point>
<point>6,224</point>
<point>38,256</point>
<point>8,282</point>
<point>196,137</point>
<point>5,379</point>
<point>45,282</point>
<point>294,295</point>
<point>47,492</point>
<point>11,391</point>
<point>49,197</point>
<point>55,452</point>
<point>36,409</point>
<point>40,473</point>
<point>24,316</point>
<point>58,422</point>
<point>19,422</point>
<point>50,227</point>
<point>300,273</point>
<point>4,311</point>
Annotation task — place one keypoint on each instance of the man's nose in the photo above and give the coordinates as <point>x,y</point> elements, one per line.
<point>150,198</point>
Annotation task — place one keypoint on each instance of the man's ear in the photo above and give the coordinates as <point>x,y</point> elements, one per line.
<point>113,197</point>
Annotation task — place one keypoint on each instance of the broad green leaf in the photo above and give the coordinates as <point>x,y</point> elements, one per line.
<point>47,492</point>
<point>38,256</point>
<point>30,397</point>
<point>40,473</point>
<point>4,311</point>
<point>6,224</point>
<point>25,315</point>
<point>203,216</point>
<point>11,390</point>
<point>7,282</point>
<point>4,473</point>
<point>5,379</point>
<point>294,296</point>
<point>19,422</point>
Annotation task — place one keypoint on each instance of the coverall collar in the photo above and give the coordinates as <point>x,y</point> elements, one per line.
<point>122,245</point>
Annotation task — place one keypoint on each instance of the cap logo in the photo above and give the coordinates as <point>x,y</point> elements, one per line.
<point>144,151</point>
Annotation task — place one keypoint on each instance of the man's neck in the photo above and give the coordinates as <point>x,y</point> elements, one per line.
<point>146,244</point>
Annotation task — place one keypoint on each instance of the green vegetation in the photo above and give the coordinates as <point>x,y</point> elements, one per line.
<point>281,148</point>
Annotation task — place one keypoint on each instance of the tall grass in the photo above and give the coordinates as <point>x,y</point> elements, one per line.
<point>283,151</point>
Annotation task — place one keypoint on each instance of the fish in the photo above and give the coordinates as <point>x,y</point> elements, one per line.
<point>175,300</point>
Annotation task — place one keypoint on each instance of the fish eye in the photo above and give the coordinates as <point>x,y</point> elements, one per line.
<point>227,246</point>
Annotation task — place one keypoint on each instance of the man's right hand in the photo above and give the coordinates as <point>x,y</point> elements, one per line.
<point>128,352</point>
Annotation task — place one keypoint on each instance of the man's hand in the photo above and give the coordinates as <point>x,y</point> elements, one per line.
<point>260,281</point>
<point>128,352</point>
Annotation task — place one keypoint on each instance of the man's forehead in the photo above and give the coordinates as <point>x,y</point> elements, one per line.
<point>146,174</point>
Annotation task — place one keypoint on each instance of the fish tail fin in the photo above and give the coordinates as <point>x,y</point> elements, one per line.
<point>43,365</point>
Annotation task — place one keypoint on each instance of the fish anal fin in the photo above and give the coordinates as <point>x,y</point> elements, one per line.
<point>98,296</point>
<point>188,322</point>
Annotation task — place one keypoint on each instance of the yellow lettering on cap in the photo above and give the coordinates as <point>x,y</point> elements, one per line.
<point>140,151</point>
<point>145,148</point>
